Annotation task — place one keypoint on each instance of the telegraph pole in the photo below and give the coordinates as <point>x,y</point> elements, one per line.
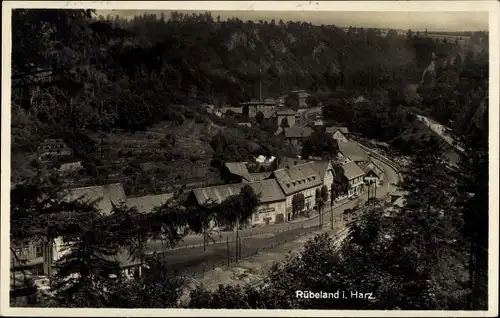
<point>260,83</point>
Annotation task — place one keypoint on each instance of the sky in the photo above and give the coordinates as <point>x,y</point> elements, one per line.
<point>433,21</point>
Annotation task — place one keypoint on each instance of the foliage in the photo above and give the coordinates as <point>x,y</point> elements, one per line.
<point>320,144</point>
<point>292,101</point>
<point>298,203</point>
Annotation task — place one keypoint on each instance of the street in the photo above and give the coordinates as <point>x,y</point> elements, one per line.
<point>197,260</point>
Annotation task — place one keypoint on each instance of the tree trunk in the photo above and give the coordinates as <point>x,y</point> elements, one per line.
<point>237,238</point>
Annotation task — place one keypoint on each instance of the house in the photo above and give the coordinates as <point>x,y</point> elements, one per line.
<point>70,167</point>
<point>302,96</point>
<point>338,133</point>
<point>295,135</point>
<point>285,117</point>
<point>372,172</point>
<point>31,256</point>
<point>232,111</point>
<point>147,203</point>
<point>253,107</point>
<point>326,172</point>
<point>354,177</point>
<point>398,199</point>
<point>271,208</point>
<point>41,257</point>
<point>103,197</point>
<point>302,178</point>
<point>353,151</point>
<point>236,172</point>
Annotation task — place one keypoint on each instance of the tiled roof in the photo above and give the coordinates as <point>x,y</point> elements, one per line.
<point>148,202</point>
<point>333,129</point>
<point>352,170</point>
<point>298,132</point>
<point>103,196</point>
<point>260,175</point>
<point>285,112</point>
<point>269,191</point>
<point>353,151</point>
<point>239,169</point>
<point>285,162</point>
<point>297,178</point>
<point>371,166</point>
<point>321,166</point>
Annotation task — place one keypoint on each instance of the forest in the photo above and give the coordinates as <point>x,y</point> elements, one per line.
<point>75,74</point>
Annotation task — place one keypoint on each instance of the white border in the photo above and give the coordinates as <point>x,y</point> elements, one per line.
<point>423,6</point>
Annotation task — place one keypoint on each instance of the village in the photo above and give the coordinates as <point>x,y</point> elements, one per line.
<point>289,188</point>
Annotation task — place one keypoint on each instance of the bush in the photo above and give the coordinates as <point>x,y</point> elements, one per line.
<point>194,158</point>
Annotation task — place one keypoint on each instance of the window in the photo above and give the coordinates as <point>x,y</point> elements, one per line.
<point>38,251</point>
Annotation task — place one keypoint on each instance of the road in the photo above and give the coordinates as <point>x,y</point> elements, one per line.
<point>197,260</point>
<point>309,115</point>
<point>441,131</point>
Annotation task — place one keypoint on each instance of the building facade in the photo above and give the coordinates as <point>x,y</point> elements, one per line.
<point>253,107</point>
<point>373,173</point>
<point>299,179</point>
<point>271,207</point>
<point>354,176</point>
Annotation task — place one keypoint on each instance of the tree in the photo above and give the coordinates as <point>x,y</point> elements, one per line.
<point>298,203</point>
<point>321,199</point>
<point>292,101</point>
<point>259,117</point>
<point>284,123</point>
<point>473,202</point>
<point>320,144</point>
<point>238,209</point>
<point>312,101</point>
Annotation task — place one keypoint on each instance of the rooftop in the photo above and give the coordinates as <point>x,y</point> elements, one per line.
<point>285,112</point>
<point>352,170</point>
<point>353,151</point>
<point>297,178</point>
<point>333,129</point>
<point>102,197</point>
<point>371,166</point>
<point>269,191</point>
<point>238,169</point>
<point>298,132</point>
<point>148,202</point>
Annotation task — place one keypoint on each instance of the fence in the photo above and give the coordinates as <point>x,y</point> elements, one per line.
<point>234,253</point>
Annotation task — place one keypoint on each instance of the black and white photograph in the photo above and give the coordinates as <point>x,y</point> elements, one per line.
<point>264,155</point>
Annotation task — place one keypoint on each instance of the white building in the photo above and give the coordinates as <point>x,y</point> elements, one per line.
<point>354,176</point>
<point>302,178</point>
<point>271,208</point>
